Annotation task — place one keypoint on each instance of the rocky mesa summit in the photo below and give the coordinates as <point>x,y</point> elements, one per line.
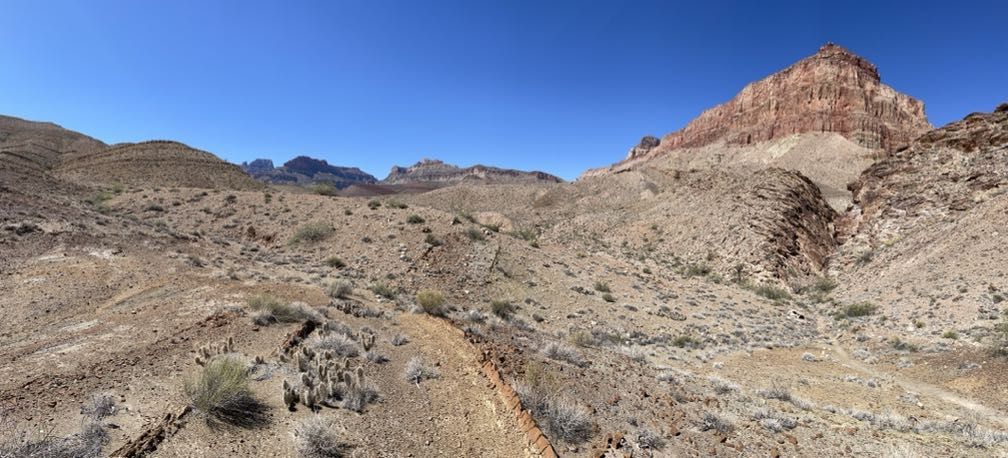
<point>831,91</point>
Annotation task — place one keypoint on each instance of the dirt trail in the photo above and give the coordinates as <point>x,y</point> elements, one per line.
<point>927,389</point>
<point>469,413</point>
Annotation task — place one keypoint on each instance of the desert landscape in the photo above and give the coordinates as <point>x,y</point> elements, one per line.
<point>808,269</point>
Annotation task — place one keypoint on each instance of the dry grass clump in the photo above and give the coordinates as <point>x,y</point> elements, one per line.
<point>563,353</point>
<point>474,234</point>
<point>416,371</point>
<point>87,443</point>
<point>562,417</point>
<point>272,310</point>
<point>335,262</point>
<point>783,394</point>
<point>317,438</point>
<point>856,310</point>
<point>399,339</point>
<point>712,421</point>
<point>502,308</point>
<point>384,290</point>
<point>774,421</point>
<point>339,289</point>
<point>338,343</point>
<point>772,292</point>
<point>221,394</point>
<point>312,232</point>
<point>431,301</point>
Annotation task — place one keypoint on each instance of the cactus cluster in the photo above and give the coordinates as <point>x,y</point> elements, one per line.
<point>206,352</point>
<point>327,381</point>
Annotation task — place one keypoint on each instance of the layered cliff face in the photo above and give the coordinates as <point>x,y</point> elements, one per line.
<point>434,171</point>
<point>833,90</point>
<point>304,170</point>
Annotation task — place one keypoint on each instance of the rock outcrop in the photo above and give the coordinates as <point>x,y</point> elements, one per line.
<point>39,146</point>
<point>945,172</point>
<point>833,90</point>
<point>304,170</point>
<point>435,171</point>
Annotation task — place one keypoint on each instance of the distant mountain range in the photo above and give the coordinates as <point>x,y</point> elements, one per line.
<point>424,175</point>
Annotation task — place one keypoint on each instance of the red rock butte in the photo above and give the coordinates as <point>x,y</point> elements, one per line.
<point>832,90</point>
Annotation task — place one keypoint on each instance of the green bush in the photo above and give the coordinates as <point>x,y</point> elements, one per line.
<point>272,309</point>
<point>313,232</point>
<point>384,290</point>
<point>502,308</point>
<point>221,394</point>
<point>773,293</point>
<point>475,234</point>
<point>335,262</point>
<point>324,189</point>
<point>857,310</point>
<point>395,204</point>
<point>431,301</point>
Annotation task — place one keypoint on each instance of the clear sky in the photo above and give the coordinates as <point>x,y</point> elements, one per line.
<point>557,86</point>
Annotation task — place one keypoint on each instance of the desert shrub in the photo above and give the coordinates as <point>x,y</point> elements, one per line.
<point>154,208</point>
<point>582,338</point>
<point>608,297</point>
<point>340,344</point>
<point>1000,345</point>
<point>100,405</point>
<point>686,341</point>
<point>384,290</point>
<point>475,234</point>
<point>317,438</point>
<point>526,234</point>
<point>221,394</point>
<point>857,310</point>
<point>432,240</point>
<point>772,292</point>
<point>951,334</point>
<point>650,440</point>
<point>602,287</point>
<point>396,204</point>
<point>697,270</point>
<point>273,310</point>
<point>375,357</point>
<point>809,357</point>
<point>339,288</point>
<point>903,345</point>
<point>502,308</point>
<point>474,316</point>
<point>722,386</point>
<point>324,189</point>
<point>399,339</point>
<point>773,421</point>
<point>416,371</point>
<point>431,301</point>
<point>415,219</point>
<point>312,232</point>
<point>563,353</point>
<point>562,417</point>
<point>784,394</point>
<point>335,262</point>
<point>824,284</point>
<point>712,421</point>
<point>373,204</point>
<point>22,444</point>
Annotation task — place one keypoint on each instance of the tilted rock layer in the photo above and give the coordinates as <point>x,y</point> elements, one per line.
<point>944,172</point>
<point>833,90</point>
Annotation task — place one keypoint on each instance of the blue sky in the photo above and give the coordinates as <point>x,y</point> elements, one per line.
<point>557,86</point>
